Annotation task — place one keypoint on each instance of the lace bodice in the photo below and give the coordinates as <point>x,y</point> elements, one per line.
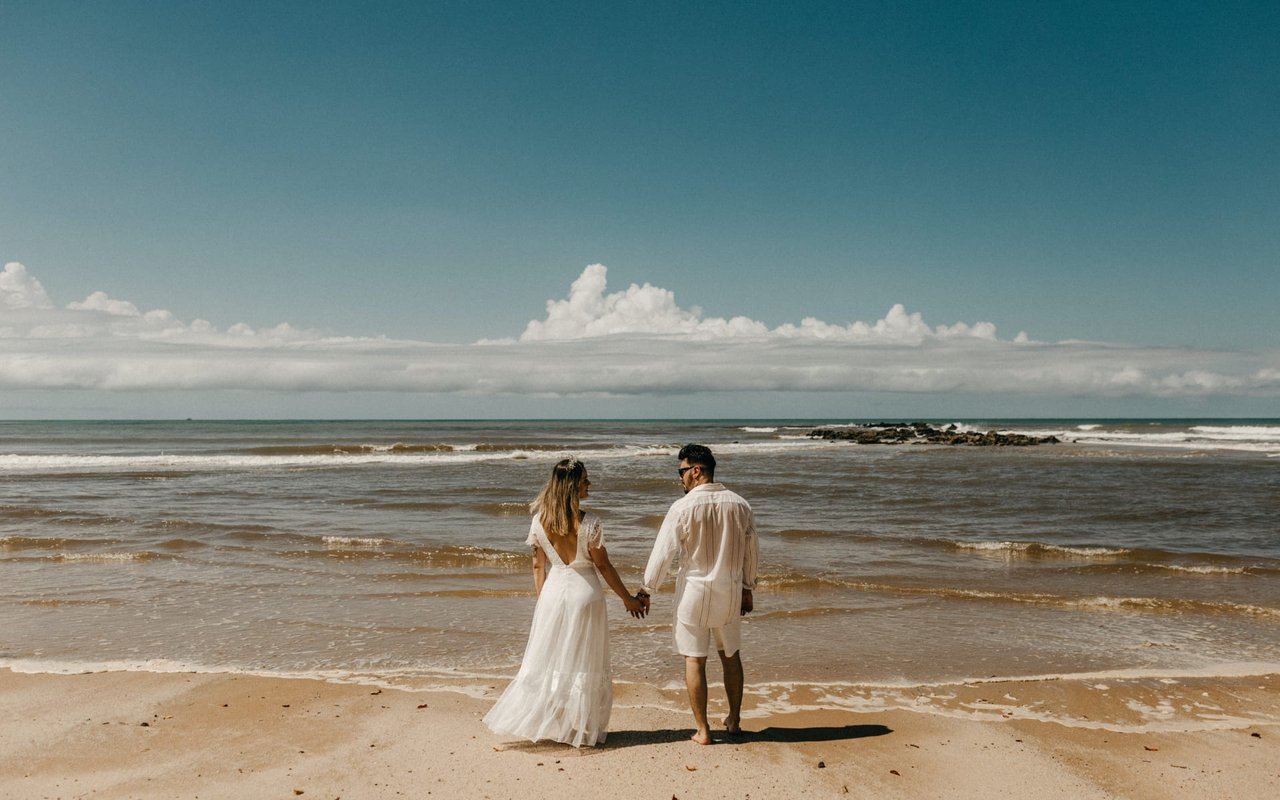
<point>590,534</point>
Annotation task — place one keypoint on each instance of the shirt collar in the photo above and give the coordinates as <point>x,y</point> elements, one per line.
<point>710,487</point>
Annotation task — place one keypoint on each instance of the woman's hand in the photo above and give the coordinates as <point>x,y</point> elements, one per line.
<point>634,607</point>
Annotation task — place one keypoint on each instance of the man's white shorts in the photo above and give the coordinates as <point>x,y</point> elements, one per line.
<point>694,640</point>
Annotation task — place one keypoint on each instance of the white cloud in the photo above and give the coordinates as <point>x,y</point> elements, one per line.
<point>589,312</point>
<point>99,301</point>
<point>100,318</point>
<point>638,341</point>
<point>20,290</point>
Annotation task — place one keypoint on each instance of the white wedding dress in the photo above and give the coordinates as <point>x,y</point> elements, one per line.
<point>563,691</point>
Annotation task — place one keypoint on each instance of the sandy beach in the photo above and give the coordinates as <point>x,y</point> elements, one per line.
<point>261,609</point>
<point>193,735</point>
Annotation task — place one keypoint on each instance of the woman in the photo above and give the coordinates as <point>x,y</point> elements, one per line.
<point>563,691</point>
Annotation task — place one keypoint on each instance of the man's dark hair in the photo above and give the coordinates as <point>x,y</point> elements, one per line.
<point>699,455</point>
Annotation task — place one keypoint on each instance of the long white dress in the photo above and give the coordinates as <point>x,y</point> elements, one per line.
<point>563,691</point>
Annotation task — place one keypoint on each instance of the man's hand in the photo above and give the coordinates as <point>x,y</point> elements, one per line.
<point>748,602</point>
<point>635,607</point>
<point>644,600</point>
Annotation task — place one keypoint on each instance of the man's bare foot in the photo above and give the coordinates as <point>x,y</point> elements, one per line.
<point>701,737</point>
<point>733,725</point>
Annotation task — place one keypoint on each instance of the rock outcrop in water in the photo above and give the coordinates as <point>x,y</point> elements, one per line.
<point>924,433</point>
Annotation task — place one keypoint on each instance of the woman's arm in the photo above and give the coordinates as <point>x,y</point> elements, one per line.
<point>600,557</point>
<point>539,569</point>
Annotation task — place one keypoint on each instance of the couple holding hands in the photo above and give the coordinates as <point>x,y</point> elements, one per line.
<point>564,689</point>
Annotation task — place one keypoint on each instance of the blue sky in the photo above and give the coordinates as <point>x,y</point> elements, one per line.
<point>436,173</point>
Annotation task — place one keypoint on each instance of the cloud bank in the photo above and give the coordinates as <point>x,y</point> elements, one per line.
<point>588,313</point>
<point>634,342</point>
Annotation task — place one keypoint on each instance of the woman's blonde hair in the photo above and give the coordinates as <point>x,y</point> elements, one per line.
<point>557,504</point>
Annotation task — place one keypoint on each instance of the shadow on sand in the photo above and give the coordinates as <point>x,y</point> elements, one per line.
<point>818,733</point>
<point>619,739</point>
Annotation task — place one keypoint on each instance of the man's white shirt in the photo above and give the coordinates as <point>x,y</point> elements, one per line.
<point>713,530</point>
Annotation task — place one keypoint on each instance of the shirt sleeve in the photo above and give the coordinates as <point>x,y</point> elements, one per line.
<point>664,551</point>
<point>532,539</point>
<point>751,558</point>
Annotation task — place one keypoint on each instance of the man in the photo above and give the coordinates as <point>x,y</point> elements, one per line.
<point>714,532</point>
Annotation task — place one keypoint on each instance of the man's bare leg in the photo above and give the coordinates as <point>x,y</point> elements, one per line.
<point>733,688</point>
<point>695,680</point>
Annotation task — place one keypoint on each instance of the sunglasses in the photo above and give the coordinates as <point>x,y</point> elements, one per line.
<point>682,470</point>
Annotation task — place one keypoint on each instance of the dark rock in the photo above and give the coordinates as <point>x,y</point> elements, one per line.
<point>923,433</point>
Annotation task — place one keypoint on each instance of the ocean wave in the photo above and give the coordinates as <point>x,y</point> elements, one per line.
<point>1223,567</point>
<point>178,525</point>
<point>1245,438</point>
<point>479,454</point>
<point>1135,701</point>
<point>747,429</point>
<point>54,543</point>
<point>1041,549</point>
<point>390,550</point>
<point>795,582</point>
<point>28,512</point>
<point>805,613</point>
<point>1103,556</point>
<point>803,533</point>
<point>1271,432</point>
<point>398,505</point>
<point>182,544</point>
<point>340,542</point>
<point>59,602</point>
<point>44,463</point>
<point>1121,701</point>
<point>506,509</point>
<point>402,448</point>
<point>1170,605</point>
<point>109,558</point>
<point>648,521</point>
<point>1095,603</point>
<point>342,449</point>
<point>1200,570</point>
<point>42,514</point>
<point>462,593</point>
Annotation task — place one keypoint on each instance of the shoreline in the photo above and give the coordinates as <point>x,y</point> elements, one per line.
<point>1221,697</point>
<point>177,735</point>
<point>1135,701</point>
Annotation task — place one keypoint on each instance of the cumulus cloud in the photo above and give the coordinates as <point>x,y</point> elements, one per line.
<point>20,290</point>
<point>637,341</point>
<point>99,301</point>
<point>589,312</point>
<point>30,315</point>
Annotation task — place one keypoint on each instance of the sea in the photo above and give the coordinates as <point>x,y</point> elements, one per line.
<point>393,551</point>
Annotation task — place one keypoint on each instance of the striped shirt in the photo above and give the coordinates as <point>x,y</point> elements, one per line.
<point>713,531</point>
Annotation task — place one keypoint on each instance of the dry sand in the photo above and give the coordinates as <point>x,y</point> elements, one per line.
<point>189,735</point>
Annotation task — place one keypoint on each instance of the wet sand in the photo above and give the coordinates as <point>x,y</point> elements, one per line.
<point>194,735</point>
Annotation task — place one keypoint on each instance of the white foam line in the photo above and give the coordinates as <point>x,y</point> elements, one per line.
<point>774,697</point>
<point>102,558</point>
<point>1244,669</point>
<point>1022,714</point>
<point>31,463</point>
<point>1180,444</point>
<point>162,666</point>
<point>356,541</point>
<point>1201,570</point>
<point>1252,669</point>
